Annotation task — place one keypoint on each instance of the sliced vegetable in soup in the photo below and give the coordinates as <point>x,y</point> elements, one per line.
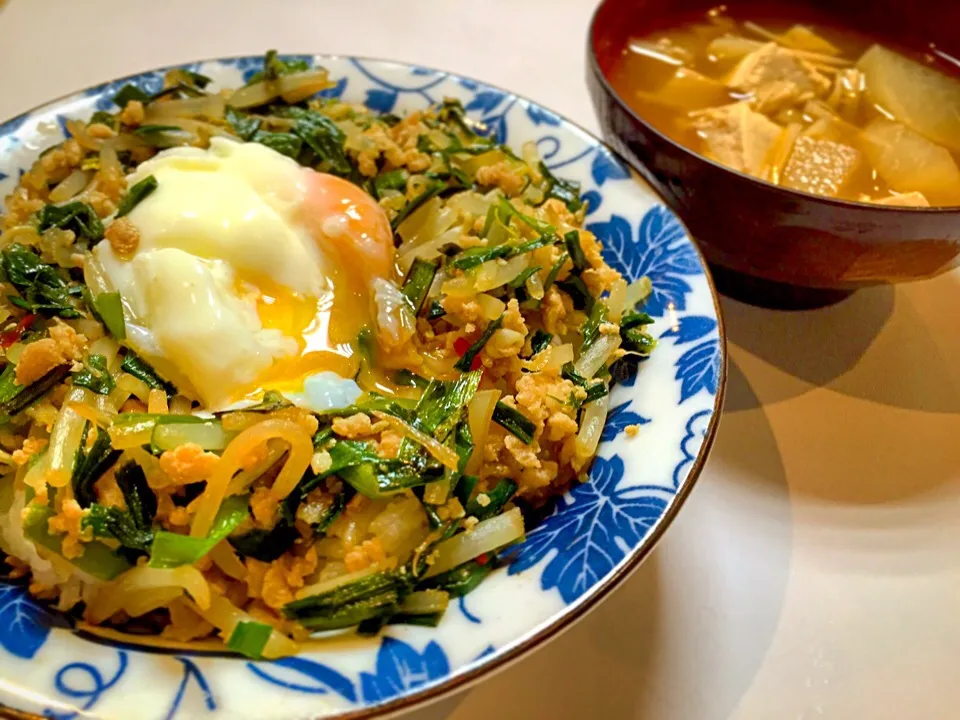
<point>814,109</point>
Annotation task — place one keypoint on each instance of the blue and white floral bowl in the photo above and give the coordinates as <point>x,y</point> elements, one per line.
<point>595,536</point>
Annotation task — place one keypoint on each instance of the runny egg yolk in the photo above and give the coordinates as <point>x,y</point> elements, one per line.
<point>252,273</point>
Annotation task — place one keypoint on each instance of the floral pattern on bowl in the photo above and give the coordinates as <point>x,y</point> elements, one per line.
<point>595,534</point>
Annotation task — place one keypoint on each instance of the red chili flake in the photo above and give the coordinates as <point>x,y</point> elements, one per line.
<point>483,559</point>
<point>460,346</point>
<point>9,337</point>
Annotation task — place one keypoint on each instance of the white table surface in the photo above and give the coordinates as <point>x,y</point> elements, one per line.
<point>815,571</point>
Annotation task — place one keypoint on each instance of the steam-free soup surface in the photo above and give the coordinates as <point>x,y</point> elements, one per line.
<point>814,109</point>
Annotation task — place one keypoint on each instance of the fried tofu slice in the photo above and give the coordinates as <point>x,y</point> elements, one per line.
<point>737,136</point>
<point>821,167</point>
<point>777,77</point>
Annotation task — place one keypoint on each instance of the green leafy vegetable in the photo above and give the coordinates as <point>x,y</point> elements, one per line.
<point>568,192</point>
<point>540,341</point>
<point>77,216</point>
<point>102,117</point>
<point>95,376</point>
<point>91,465</point>
<point>283,143</point>
<point>322,136</point>
<point>109,309</point>
<point>120,525</point>
<point>163,136</point>
<point>465,363</point>
<point>250,638</point>
<point>514,421</point>
<point>98,559</point>
<point>170,550</point>
<point>417,283</point>
<point>136,194</point>
<point>244,125</point>
<point>128,93</point>
<point>442,404</point>
<point>140,368</point>
<point>344,606</point>
<point>42,288</point>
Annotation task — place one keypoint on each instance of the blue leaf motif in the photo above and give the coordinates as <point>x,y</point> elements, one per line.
<point>593,199</point>
<point>422,71</point>
<point>488,650</point>
<point>660,250</point>
<point>607,167</point>
<point>381,100</point>
<point>84,682</point>
<point>401,668</point>
<point>699,369</point>
<point>588,530</point>
<point>466,613</point>
<point>485,101</point>
<point>323,678</point>
<point>497,128</point>
<point>696,430</point>
<point>336,91</point>
<point>11,126</point>
<point>190,670</point>
<point>618,419</point>
<point>691,328</point>
<point>3,176</point>
<point>541,116</point>
<point>467,83</point>
<point>24,624</point>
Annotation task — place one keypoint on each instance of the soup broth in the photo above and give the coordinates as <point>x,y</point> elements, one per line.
<point>815,109</point>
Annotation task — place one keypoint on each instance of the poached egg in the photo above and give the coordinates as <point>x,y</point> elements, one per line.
<point>251,273</point>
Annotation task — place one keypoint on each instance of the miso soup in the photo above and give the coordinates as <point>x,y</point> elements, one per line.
<point>814,109</point>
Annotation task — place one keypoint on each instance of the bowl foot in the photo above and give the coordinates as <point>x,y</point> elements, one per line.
<point>771,294</point>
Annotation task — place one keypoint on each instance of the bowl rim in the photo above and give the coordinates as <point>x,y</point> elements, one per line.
<point>472,673</point>
<point>840,204</point>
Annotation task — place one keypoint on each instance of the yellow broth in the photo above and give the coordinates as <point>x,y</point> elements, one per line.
<point>807,107</point>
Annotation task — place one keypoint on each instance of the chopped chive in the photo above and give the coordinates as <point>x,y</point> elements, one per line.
<point>566,191</point>
<point>432,189</point>
<point>250,638</point>
<point>591,328</point>
<point>128,93</point>
<point>109,307</point>
<point>578,292</point>
<point>136,195</point>
<point>142,370</point>
<point>417,283</point>
<point>153,129</point>
<point>540,341</point>
<point>465,363</point>
<point>496,499</point>
<point>479,255</point>
<point>462,580</point>
<point>555,271</point>
<point>595,391</point>
<point>436,311</point>
<point>572,241</point>
<point>393,180</point>
<point>489,220</point>
<point>507,210</point>
<point>523,276</point>
<point>514,421</point>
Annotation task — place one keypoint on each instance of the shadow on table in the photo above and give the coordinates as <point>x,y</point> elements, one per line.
<point>906,367</point>
<point>675,642</point>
